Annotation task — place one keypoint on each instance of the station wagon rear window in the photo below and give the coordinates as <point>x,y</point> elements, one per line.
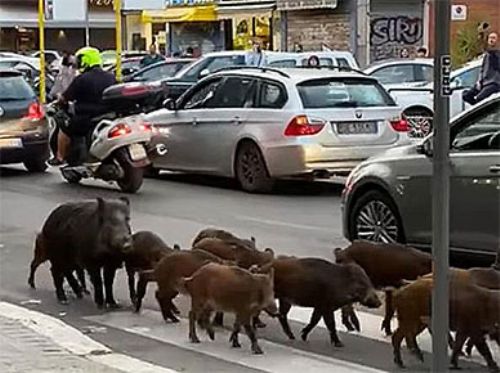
<point>14,88</point>
<point>343,93</point>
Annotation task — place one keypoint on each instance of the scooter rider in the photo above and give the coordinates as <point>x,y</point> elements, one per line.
<point>86,92</point>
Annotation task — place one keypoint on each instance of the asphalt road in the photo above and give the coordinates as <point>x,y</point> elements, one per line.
<point>299,219</point>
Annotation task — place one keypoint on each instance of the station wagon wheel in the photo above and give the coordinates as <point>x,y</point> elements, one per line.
<point>420,121</point>
<point>251,171</point>
<point>375,218</point>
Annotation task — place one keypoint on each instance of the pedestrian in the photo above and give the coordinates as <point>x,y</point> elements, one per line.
<point>404,53</point>
<point>152,57</point>
<point>255,57</point>
<point>313,61</point>
<point>298,48</point>
<point>66,74</point>
<point>488,82</point>
<point>422,52</point>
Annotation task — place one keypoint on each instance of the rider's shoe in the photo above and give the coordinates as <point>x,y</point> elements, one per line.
<point>55,162</point>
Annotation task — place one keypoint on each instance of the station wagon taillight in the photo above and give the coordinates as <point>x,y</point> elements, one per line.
<point>35,112</point>
<point>301,125</point>
<point>400,125</point>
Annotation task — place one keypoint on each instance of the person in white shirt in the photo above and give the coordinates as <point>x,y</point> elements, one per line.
<point>255,57</point>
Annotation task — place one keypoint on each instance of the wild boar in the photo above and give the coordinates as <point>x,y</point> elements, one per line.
<point>216,287</point>
<point>222,235</point>
<point>147,250</point>
<point>91,234</point>
<point>40,256</point>
<point>474,311</point>
<point>322,285</point>
<point>387,265</point>
<point>168,273</point>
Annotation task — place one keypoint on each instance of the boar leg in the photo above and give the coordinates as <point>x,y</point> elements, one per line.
<point>468,347</point>
<point>484,350</point>
<point>165,302</point>
<point>131,284</point>
<point>96,279</point>
<point>329,319</point>
<point>219,319</point>
<point>58,278</point>
<point>192,327</point>
<point>411,342</point>
<point>73,282</point>
<point>257,322</point>
<point>460,339</point>
<point>34,265</point>
<point>80,273</point>
<point>315,317</point>
<point>284,308</point>
<point>234,335</point>
<point>389,313</point>
<point>397,338</point>
<point>109,278</point>
<point>251,335</point>
<point>349,318</point>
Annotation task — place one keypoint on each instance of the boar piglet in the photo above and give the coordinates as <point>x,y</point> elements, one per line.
<point>224,236</point>
<point>387,265</point>
<point>40,256</point>
<point>168,273</point>
<point>321,285</point>
<point>93,235</point>
<point>147,250</point>
<point>216,287</point>
<point>474,311</point>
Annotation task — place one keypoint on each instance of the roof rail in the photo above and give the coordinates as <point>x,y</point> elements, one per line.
<point>339,68</point>
<point>244,67</point>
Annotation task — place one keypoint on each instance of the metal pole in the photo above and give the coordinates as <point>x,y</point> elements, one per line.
<point>87,25</point>
<point>41,33</point>
<point>441,187</point>
<point>118,20</point>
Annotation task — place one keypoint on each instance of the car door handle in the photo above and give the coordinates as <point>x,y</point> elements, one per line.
<point>236,121</point>
<point>495,168</point>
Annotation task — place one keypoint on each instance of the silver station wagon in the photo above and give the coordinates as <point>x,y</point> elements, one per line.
<point>261,124</point>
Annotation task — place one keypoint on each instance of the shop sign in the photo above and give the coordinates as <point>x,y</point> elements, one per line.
<point>174,3</point>
<point>100,4</point>
<point>458,12</point>
<point>306,4</point>
<point>142,4</point>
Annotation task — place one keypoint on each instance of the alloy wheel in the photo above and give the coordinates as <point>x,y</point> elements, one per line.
<point>377,222</point>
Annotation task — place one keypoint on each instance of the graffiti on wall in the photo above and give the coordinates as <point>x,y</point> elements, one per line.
<point>388,35</point>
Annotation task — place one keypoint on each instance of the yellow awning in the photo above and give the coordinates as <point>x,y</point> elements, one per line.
<point>205,13</point>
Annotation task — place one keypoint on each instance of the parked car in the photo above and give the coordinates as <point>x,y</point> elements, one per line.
<point>257,125</point>
<point>52,58</point>
<point>30,71</point>
<point>388,198</point>
<point>331,58</point>
<point>109,56</point>
<point>23,126</point>
<point>129,66</point>
<point>160,70</point>
<point>402,71</point>
<point>418,101</point>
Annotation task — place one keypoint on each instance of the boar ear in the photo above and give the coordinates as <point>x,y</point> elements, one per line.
<point>125,200</point>
<point>101,207</point>
<point>269,251</point>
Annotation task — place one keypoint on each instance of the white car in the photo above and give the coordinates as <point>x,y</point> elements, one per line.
<point>258,125</point>
<point>402,71</point>
<point>418,101</point>
<point>326,58</point>
<point>52,58</point>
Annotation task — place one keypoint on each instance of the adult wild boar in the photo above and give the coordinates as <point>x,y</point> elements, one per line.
<point>322,285</point>
<point>92,234</point>
<point>221,288</point>
<point>387,265</point>
<point>147,250</point>
<point>168,273</point>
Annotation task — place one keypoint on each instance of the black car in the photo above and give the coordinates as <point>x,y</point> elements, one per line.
<point>159,70</point>
<point>24,130</point>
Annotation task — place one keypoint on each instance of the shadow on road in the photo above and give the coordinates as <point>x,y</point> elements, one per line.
<point>282,187</point>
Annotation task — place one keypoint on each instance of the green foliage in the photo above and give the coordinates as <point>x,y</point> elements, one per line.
<point>467,44</point>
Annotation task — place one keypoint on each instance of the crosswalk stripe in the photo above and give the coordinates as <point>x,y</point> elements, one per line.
<point>277,358</point>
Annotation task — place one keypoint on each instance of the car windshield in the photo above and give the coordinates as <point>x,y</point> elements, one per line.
<point>332,93</point>
<point>14,88</point>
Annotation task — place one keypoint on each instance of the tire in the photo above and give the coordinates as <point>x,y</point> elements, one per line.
<point>151,172</point>
<point>375,217</point>
<point>36,164</point>
<point>420,120</point>
<point>134,176</point>
<point>251,171</point>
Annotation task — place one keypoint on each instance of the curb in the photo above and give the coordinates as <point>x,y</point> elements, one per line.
<point>75,341</point>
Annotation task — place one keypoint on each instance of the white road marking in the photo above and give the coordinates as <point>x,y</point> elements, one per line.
<point>76,342</point>
<point>282,223</point>
<point>277,358</point>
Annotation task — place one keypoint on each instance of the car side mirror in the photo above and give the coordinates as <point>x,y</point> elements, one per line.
<point>169,104</point>
<point>425,148</point>
<point>204,73</point>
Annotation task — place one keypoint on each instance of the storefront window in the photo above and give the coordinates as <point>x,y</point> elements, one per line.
<point>251,28</point>
<point>201,37</point>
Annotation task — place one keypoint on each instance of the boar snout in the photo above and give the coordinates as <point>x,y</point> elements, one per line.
<point>371,300</point>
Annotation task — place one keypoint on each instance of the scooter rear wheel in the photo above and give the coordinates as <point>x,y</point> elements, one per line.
<point>133,176</point>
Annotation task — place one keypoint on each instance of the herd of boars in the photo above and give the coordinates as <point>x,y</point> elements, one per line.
<point>224,273</point>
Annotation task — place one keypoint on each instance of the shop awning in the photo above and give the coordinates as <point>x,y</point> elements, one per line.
<point>181,14</point>
<point>247,8</point>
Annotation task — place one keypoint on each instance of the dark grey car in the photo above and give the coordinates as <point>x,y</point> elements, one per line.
<point>388,198</point>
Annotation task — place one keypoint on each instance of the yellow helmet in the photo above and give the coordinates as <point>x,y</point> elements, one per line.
<point>88,57</point>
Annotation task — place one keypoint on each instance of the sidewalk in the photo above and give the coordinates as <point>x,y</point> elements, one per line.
<point>34,342</point>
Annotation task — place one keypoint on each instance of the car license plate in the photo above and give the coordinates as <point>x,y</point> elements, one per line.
<point>357,128</point>
<point>137,152</point>
<point>11,143</point>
